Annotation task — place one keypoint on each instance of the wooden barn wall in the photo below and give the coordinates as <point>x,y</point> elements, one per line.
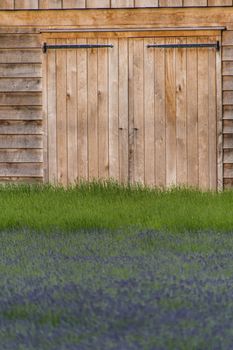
<point>21,146</point>
<point>78,4</point>
<point>227,69</point>
<point>21,129</point>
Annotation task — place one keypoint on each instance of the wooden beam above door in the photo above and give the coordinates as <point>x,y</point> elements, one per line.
<point>120,18</point>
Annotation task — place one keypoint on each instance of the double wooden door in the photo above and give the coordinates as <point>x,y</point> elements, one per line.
<point>132,112</point>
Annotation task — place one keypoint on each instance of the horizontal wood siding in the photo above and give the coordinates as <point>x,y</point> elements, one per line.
<point>21,139</point>
<point>227,54</point>
<point>80,4</point>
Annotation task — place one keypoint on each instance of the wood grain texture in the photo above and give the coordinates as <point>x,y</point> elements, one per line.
<point>61,101</point>
<point>170,3</point>
<point>146,3</point>
<point>147,17</point>
<point>20,84</point>
<point>20,99</point>
<point>123,112</point>
<point>50,4</point>
<point>20,56</point>
<point>170,98</point>
<point>103,93</point>
<point>227,141</point>
<point>78,4</point>
<point>72,114</point>
<point>73,4</point>
<point>26,4</point>
<point>20,70</point>
<point>9,127</point>
<point>138,128</point>
<point>45,118</point>
<point>227,112</point>
<point>82,86</point>
<point>149,112</point>
<point>122,3</point>
<point>20,113</point>
<point>21,156</point>
<point>51,110</point>
<point>212,120</point>
<point>160,115</point>
<point>7,4</point>
<point>195,3</point>
<point>97,3</point>
<point>21,169</point>
<point>92,106</point>
<point>192,114</point>
<point>219,117</point>
<point>203,117</point>
<point>114,110</point>
<point>21,141</point>
<point>219,2</point>
<point>19,41</point>
<point>181,108</point>
<point>131,109</point>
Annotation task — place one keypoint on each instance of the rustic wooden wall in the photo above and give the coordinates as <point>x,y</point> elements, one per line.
<point>228,107</point>
<point>21,145</point>
<point>65,4</point>
<point>21,153</point>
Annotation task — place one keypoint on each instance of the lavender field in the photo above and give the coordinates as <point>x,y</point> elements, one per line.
<point>112,268</point>
<point>121,290</point>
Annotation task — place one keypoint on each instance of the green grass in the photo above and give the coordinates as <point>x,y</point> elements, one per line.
<point>110,206</point>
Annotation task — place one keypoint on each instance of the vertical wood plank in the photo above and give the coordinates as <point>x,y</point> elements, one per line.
<point>219,2</point>
<point>61,56</point>
<point>45,115</point>
<point>7,4</point>
<point>123,111</point>
<point>139,158</point>
<point>97,4</point>
<point>113,110</point>
<point>52,115</point>
<point>195,3</point>
<point>131,110</point>
<point>75,4</point>
<point>72,137</point>
<point>203,115</point>
<point>170,115</point>
<point>212,119</point>
<point>50,4</point>
<point>92,112</point>
<point>160,116</point>
<point>82,112</point>
<point>149,84</point>
<point>170,3</point>
<point>146,3</point>
<point>26,4</point>
<point>103,110</point>
<point>219,120</point>
<point>122,3</point>
<point>192,114</point>
<point>181,100</point>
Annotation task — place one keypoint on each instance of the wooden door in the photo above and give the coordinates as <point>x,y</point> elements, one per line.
<point>173,112</point>
<point>132,113</point>
<point>87,109</point>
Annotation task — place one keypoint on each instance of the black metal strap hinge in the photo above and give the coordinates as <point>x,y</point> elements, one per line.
<point>185,46</point>
<point>45,46</point>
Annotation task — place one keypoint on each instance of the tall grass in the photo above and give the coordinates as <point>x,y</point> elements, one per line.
<point>108,205</point>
